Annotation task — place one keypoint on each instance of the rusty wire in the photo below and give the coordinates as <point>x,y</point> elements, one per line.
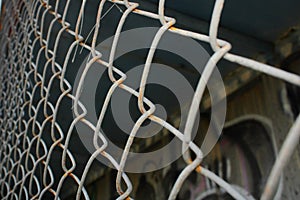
<point>20,154</point>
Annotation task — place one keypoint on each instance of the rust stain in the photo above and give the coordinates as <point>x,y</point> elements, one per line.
<point>198,169</point>
<point>173,28</point>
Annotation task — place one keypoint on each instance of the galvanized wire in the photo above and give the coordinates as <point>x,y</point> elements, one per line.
<point>25,93</point>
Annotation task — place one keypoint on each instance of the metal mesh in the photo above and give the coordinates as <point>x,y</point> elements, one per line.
<point>26,108</point>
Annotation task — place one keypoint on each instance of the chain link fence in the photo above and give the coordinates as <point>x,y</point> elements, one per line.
<point>30,70</point>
